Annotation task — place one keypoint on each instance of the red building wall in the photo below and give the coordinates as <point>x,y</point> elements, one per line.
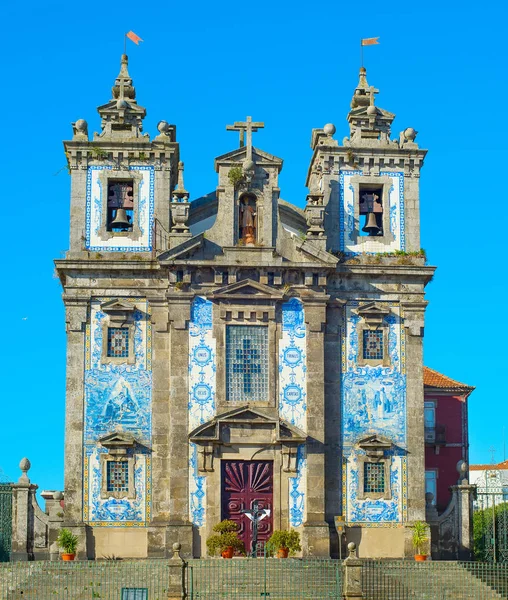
<point>444,454</point>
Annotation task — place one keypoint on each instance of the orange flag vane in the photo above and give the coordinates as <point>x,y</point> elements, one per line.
<point>133,38</point>
<point>367,42</point>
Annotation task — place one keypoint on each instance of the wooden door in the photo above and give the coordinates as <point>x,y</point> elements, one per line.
<point>243,482</point>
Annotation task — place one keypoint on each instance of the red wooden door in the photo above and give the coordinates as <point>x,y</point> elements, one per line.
<point>243,482</point>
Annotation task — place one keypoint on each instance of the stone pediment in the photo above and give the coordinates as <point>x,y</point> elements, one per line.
<point>117,306</point>
<point>219,429</point>
<point>239,154</point>
<point>375,445</point>
<point>373,313</point>
<point>247,289</point>
<point>118,440</point>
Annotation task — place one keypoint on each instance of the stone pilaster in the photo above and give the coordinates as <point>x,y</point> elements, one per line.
<point>413,323</point>
<point>179,529</point>
<point>76,317</point>
<point>160,437</point>
<point>20,519</point>
<point>465,495</point>
<point>316,537</point>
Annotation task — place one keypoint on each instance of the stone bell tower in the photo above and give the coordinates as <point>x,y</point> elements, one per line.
<point>121,185</point>
<point>363,206</point>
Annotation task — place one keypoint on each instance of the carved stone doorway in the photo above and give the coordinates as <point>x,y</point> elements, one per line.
<point>243,482</point>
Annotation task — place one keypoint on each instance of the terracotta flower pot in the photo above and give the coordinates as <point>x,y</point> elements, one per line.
<point>420,557</point>
<point>228,552</point>
<point>282,552</point>
<point>66,556</point>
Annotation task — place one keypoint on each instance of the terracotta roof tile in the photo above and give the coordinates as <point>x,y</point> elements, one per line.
<point>434,379</point>
<point>499,467</point>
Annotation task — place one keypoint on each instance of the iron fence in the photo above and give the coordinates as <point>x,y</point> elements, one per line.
<point>433,580</point>
<point>85,580</point>
<point>264,579</point>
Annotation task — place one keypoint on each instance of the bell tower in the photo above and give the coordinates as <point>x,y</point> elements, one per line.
<point>121,181</point>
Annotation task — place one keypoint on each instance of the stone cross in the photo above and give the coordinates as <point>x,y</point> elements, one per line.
<point>246,126</point>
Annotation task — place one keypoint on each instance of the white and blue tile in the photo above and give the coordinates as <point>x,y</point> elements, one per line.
<point>297,489</point>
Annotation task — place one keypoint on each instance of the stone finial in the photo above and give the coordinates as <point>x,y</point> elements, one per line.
<point>24,465</point>
<point>368,124</point>
<point>352,550</point>
<point>429,496</point>
<point>407,138</point>
<point>177,547</point>
<point>462,469</point>
<point>58,496</point>
<point>122,118</point>
<point>80,129</point>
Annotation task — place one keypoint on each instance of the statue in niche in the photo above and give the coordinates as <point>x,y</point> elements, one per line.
<point>248,220</point>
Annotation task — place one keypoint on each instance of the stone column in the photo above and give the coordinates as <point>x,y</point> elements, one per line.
<point>160,437</point>
<point>316,535</point>
<point>352,574</point>
<point>179,529</point>
<point>465,495</point>
<point>177,590</point>
<point>21,515</point>
<point>76,317</point>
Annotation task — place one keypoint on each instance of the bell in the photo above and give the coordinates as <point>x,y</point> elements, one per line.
<point>121,220</point>
<point>371,226</point>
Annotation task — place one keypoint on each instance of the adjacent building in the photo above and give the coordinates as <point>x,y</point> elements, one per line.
<point>235,348</point>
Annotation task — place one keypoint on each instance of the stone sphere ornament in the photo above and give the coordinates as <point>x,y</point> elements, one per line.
<point>163,126</point>
<point>81,125</point>
<point>371,110</point>
<point>410,134</point>
<point>25,465</point>
<point>329,129</point>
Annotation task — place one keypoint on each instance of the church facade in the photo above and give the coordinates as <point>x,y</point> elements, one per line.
<point>236,349</point>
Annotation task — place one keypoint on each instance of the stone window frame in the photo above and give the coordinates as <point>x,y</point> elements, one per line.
<point>359,182</point>
<point>105,176</point>
<point>373,319</point>
<point>130,493</point>
<point>375,452</point>
<point>119,314</point>
<point>260,316</point>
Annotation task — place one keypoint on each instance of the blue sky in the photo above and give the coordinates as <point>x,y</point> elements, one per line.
<point>440,67</point>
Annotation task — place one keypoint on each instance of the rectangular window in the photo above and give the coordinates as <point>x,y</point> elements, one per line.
<point>118,342</point>
<point>120,205</point>
<point>374,478</point>
<point>429,415</point>
<point>246,363</point>
<point>431,484</point>
<point>118,476</point>
<point>372,345</point>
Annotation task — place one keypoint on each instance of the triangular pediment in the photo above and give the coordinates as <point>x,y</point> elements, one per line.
<point>117,305</point>
<point>373,309</point>
<point>212,431</point>
<point>322,256</point>
<point>374,441</point>
<point>118,439</point>
<point>239,154</point>
<point>247,289</point>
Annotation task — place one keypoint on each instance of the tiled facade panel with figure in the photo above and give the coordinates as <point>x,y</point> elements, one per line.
<point>233,334</point>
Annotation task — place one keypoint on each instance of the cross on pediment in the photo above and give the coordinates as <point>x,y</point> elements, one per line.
<point>247,126</point>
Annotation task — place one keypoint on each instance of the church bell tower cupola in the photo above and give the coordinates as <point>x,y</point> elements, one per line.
<point>122,118</point>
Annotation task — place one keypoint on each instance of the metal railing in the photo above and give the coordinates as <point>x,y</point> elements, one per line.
<point>433,580</point>
<point>264,579</point>
<point>84,580</point>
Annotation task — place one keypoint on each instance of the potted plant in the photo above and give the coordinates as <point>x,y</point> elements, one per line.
<point>286,542</point>
<point>420,538</point>
<point>225,540</point>
<point>68,542</point>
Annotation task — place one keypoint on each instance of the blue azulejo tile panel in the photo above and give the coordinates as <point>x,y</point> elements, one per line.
<point>197,490</point>
<point>297,488</point>
<point>118,398</point>
<point>293,365</point>
<point>373,403</point>
<point>202,386</point>
<point>202,364</point>
<point>349,225</point>
<point>376,512</point>
<point>108,511</point>
<point>97,238</point>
